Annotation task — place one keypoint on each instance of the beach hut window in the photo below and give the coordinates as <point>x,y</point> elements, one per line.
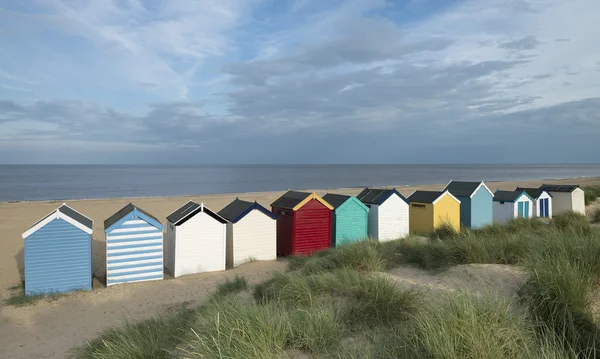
<point>501,202</point>
<point>418,205</point>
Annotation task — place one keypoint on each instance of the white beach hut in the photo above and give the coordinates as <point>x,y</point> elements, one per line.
<point>566,198</point>
<point>512,204</point>
<point>542,205</point>
<point>195,240</point>
<point>251,232</point>
<point>388,213</point>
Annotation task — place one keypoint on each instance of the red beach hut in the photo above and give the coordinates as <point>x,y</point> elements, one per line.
<point>303,223</point>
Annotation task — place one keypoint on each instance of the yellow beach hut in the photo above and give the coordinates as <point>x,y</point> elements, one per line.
<point>431,209</point>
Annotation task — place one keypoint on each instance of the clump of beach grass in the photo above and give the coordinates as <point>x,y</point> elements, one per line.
<point>596,216</point>
<point>233,285</point>
<point>20,299</point>
<point>151,338</point>
<point>591,194</point>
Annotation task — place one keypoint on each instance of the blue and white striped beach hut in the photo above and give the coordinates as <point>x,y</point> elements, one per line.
<point>58,253</point>
<point>134,246</point>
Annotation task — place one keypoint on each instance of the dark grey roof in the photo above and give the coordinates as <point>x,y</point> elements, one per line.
<point>335,200</point>
<point>377,196</point>
<point>71,213</point>
<point>533,192</point>
<point>182,211</point>
<point>76,215</point>
<point>189,210</point>
<point>559,187</point>
<point>290,199</point>
<point>123,212</point>
<point>424,196</point>
<point>462,188</point>
<point>234,209</point>
<point>238,209</point>
<point>506,196</point>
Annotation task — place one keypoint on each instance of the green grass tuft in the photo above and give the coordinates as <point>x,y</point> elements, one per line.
<point>152,338</point>
<point>596,216</point>
<point>233,285</point>
<point>591,194</point>
<point>19,299</point>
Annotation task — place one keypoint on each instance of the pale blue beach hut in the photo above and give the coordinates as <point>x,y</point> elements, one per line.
<point>134,246</point>
<point>476,203</point>
<point>58,253</point>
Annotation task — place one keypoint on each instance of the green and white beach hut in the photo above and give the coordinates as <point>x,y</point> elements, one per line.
<point>350,219</point>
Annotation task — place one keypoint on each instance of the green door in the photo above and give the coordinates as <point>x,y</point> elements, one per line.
<point>520,209</point>
<point>526,214</point>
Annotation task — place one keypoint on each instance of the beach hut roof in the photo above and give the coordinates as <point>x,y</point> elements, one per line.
<point>112,220</point>
<point>509,196</point>
<point>188,210</point>
<point>238,209</point>
<point>533,192</point>
<point>429,196</point>
<point>559,187</point>
<point>294,200</point>
<point>336,200</point>
<point>465,188</point>
<point>64,212</point>
<point>377,196</point>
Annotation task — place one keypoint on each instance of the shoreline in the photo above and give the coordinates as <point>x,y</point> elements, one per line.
<point>18,217</point>
<point>282,191</point>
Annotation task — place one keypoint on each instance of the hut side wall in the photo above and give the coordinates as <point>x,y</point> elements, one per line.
<point>134,252</point>
<point>200,245</point>
<point>465,211</point>
<point>254,237</point>
<point>373,226</point>
<point>503,211</point>
<point>58,258</point>
<point>285,230</point>
<point>562,202</point>
<point>421,217</point>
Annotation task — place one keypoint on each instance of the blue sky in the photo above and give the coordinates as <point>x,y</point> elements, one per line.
<point>306,81</point>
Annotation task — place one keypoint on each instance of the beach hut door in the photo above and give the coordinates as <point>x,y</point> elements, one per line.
<point>521,208</point>
<point>526,214</point>
<point>544,207</point>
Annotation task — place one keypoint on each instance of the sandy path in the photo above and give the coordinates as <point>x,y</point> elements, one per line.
<point>16,218</point>
<point>479,279</point>
<point>50,329</point>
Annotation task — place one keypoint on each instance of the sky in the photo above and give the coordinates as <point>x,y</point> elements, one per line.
<point>304,81</point>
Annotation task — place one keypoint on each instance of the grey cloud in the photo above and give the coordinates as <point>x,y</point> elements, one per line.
<point>359,41</point>
<point>525,43</point>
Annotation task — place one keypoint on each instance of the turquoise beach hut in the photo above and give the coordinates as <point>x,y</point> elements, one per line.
<point>476,203</point>
<point>350,219</point>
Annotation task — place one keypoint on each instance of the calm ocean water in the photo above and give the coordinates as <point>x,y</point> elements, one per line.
<point>58,182</point>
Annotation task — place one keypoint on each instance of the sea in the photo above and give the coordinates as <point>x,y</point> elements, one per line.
<point>63,182</point>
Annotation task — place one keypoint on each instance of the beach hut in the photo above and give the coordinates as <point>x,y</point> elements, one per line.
<point>350,219</point>
<point>251,232</point>
<point>542,201</point>
<point>476,203</point>
<point>431,209</point>
<point>195,241</point>
<point>566,198</point>
<point>134,246</point>
<point>303,223</point>
<point>512,204</point>
<point>388,213</point>
<point>58,253</point>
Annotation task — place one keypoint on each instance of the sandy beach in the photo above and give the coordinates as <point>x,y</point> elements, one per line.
<point>32,331</point>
